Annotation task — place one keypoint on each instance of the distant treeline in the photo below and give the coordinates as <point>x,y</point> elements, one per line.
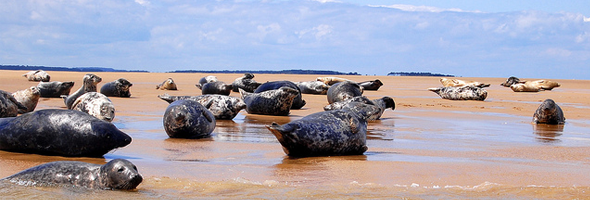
<point>293,71</point>
<point>73,69</point>
<point>418,74</point>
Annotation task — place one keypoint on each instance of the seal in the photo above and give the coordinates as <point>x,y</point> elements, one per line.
<point>221,106</point>
<point>511,81</point>
<point>331,80</point>
<point>119,174</point>
<point>89,85</point>
<point>55,88</point>
<point>28,97</point>
<point>461,93</point>
<point>188,119</point>
<point>60,132</point>
<point>548,113</point>
<point>168,84</point>
<point>217,87</point>
<point>270,102</point>
<point>534,86</point>
<point>246,82</point>
<point>343,90</point>
<point>206,79</point>
<point>117,88</point>
<point>95,104</point>
<point>9,106</point>
<point>38,75</point>
<point>382,103</point>
<point>313,87</point>
<point>298,102</point>
<point>328,133</point>
<point>451,82</point>
<point>371,85</point>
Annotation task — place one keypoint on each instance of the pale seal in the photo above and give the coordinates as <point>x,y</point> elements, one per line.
<point>451,82</point>
<point>188,119</point>
<point>206,79</point>
<point>331,80</point>
<point>9,106</point>
<point>168,84</point>
<point>313,87</point>
<point>298,102</point>
<point>548,113</point>
<point>117,174</point>
<point>534,86</point>
<point>221,106</point>
<point>89,85</point>
<point>371,85</point>
<point>343,90</point>
<point>511,81</point>
<point>117,88</point>
<point>60,132</point>
<point>217,87</point>
<point>38,75</point>
<point>461,93</point>
<point>335,132</point>
<point>270,102</point>
<point>55,88</point>
<point>246,83</point>
<point>28,97</point>
<point>95,104</point>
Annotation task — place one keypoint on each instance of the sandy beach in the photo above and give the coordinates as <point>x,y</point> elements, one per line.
<point>427,148</point>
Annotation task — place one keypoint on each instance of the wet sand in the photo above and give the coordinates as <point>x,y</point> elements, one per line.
<point>427,147</point>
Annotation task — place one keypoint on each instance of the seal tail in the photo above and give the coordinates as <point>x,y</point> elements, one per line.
<point>166,97</point>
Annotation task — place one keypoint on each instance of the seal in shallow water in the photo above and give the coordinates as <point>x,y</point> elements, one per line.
<point>221,106</point>
<point>461,93</point>
<point>343,90</point>
<point>298,102</point>
<point>217,87</point>
<point>168,84</point>
<point>28,97</point>
<point>95,104</point>
<point>335,132</point>
<point>89,85</point>
<point>382,103</point>
<point>188,119</point>
<point>548,113</point>
<point>117,174</point>
<point>270,102</point>
<point>9,106</point>
<point>117,88</point>
<point>246,82</point>
<point>60,132</point>
<point>55,88</point>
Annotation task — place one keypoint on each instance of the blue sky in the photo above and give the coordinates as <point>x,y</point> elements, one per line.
<point>529,39</point>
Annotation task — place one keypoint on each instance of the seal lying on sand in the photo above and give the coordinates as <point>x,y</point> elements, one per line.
<point>451,82</point>
<point>298,102</point>
<point>60,132</point>
<point>548,113</point>
<point>335,132</point>
<point>55,88</point>
<point>271,102</point>
<point>534,86</point>
<point>383,103</point>
<point>246,82</point>
<point>331,80</point>
<point>117,174</point>
<point>95,104</point>
<point>461,93</point>
<point>206,79</point>
<point>313,87</point>
<point>9,106</point>
<point>188,119</point>
<point>217,87</point>
<point>28,97</point>
<point>343,90</point>
<point>38,75</point>
<point>168,84</point>
<point>89,85</point>
<point>117,88</point>
<point>371,85</point>
<point>511,81</point>
<point>221,106</point>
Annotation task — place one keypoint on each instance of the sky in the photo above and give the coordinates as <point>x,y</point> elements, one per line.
<point>528,39</point>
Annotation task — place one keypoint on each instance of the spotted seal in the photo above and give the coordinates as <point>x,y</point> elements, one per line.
<point>343,90</point>
<point>313,87</point>
<point>9,106</point>
<point>60,132</point>
<point>95,104</point>
<point>217,87</point>
<point>451,82</point>
<point>28,97</point>
<point>119,174</point>
<point>188,119</point>
<point>548,113</point>
<point>117,88</point>
<point>270,102</point>
<point>298,102</point>
<point>382,103</point>
<point>168,84</point>
<point>327,133</point>
<point>246,82</point>
<point>55,88</point>
<point>206,79</point>
<point>89,85</point>
<point>38,75</point>
<point>331,80</point>
<point>461,93</point>
<point>371,85</point>
<point>221,106</point>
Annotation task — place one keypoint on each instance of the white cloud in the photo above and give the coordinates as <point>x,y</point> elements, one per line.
<point>414,8</point>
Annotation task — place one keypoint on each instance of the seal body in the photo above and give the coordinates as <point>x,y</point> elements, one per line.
<point>534,86</point>
<point>60,132</point>
<point>461,93</point>
<point>117,88</point>
<point>89,85</point>
<point>371,85</point>
<point>28,97</point>
<point>55,88</point>
<point>95,104</point>
<point>217,87</point>
<point>382,103</point>
<point>9,106</point>
<point>510,81</point>
<point>331,80</point>
<point>451,82</point>
<point>116,174</point>
<point>168,84</point>
<point>188,119</point>
<point>313,87</point>
<point>343,90</point>
<point>548,113</point>
<point>334,132</point>
<point>221,106</point>
<point>38,75</point>
<point>271,102</point>
<point>298,102</point>
<point>206,79</point>
<point>246,83</point>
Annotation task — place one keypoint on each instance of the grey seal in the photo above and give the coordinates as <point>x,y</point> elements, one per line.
<point>55,88</point>
<point>117,174</point>
<point>60,132</point>
<point>313,87</point>
<point>217,87</point>
<point>270,102</point>
<point>117,88</point>
<point>9,106</point>
<point>343,90</point>
<point>371,85</point>
<point>548,113</point>
<point>188,119</point>
<point>334,132</point>
<point>28,97</point>
<point>206,79</point>
<point>298,102</point>
<point>382,103</point>
<point>461,93</point>
<point>38,75</point>
<point>89,85</point>
<point>168,84</point>
<point>95,104</point>
<point>221,106</point>
<point>510,81</point>
<point>246,83</point>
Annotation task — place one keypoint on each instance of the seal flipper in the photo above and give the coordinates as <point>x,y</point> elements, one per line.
<point>18,104</point>
<point>166,97</point>
<point>208,115</point>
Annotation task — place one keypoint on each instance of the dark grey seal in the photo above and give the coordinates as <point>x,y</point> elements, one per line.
<point>117,88</point>
<point>221,106</point>
<point>95,104</point>
<point>343,90</point>
<point>298,102</point>
<point>313,87</point>
<point>371,85</point>
<point>168,84</point>
<point>61,133</point>
<point>217,87</point>
<point>382,103</point>
<point>38,75</point>
<point>461,93</point>
<point>328,133</point>
<point>548,113</point>
<point>9,106</point>
<point>271,102</point>
<point>246,83</point>
<point>206,79</point>
<point>117,174</point>
<point>89,85</point>
<point>188,119</point>
<point>55,88</point>
<point>510,81</point>
<point>28,97</point>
